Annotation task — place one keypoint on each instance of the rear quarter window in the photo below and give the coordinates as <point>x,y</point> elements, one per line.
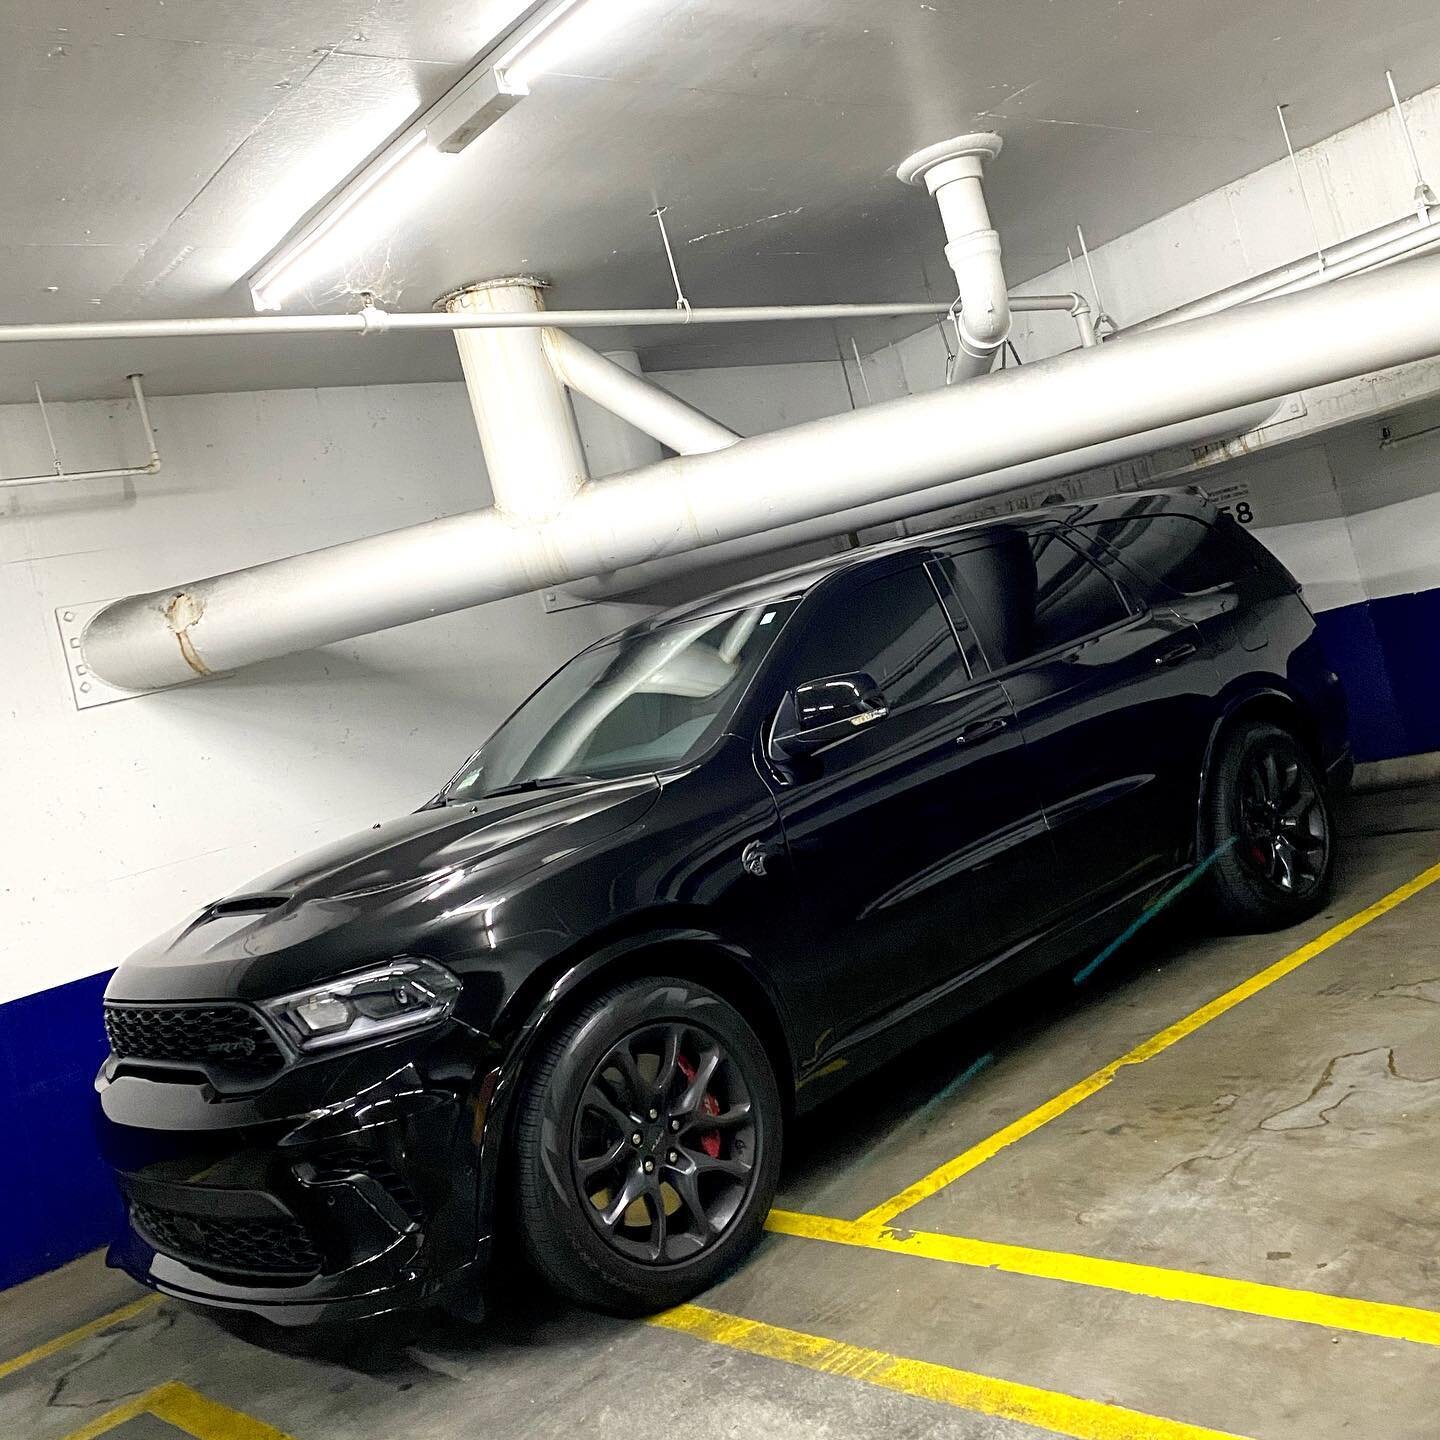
<point>1187,554</point>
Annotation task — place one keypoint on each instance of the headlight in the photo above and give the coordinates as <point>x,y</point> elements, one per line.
<point>402,995</point>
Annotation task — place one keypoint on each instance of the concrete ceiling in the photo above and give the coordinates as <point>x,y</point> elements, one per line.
<point>153,153</point>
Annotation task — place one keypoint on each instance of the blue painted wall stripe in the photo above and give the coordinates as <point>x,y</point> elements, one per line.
<point>56,1200</point>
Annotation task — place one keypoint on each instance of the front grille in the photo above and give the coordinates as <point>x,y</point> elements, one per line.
<point>219,1037</point>
<point>275,1246</point>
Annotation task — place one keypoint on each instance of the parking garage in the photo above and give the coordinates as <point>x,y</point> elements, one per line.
<point>719,720</point>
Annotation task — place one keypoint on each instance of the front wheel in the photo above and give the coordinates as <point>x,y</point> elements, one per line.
<point>647,1147</point>
<point>1269,827</point>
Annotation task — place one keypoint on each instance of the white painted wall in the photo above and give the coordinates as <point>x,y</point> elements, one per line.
<point>122,819</point>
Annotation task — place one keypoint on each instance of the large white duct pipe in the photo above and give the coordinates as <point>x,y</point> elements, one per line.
<point>953,171</point>
<point>533,454</point>
<point>1086,397</point>
<point>1202,431</point>
<point>648,408</point>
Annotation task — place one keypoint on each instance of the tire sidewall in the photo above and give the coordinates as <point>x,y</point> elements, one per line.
<point>1244,897</point>
<point>614,1281</point>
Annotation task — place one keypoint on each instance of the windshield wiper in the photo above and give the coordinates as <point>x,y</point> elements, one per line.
<point>520,787</point>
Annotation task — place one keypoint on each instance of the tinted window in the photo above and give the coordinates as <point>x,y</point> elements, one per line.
<point>1028,591</point>
<point>1186,553</point>
<point>894,630</point>
<point>642,701</point>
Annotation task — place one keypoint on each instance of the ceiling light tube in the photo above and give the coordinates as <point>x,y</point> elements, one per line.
<point>293,264</point>
<point>556,33</point>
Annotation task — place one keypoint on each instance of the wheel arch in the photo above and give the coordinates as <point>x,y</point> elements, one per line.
<point>688,952</point>
<point>1260,703</point>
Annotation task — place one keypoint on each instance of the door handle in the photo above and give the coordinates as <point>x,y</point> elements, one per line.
<point>978,729</point>
<point>1176,654</point>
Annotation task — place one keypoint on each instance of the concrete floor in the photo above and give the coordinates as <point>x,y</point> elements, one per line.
<point>1291,1141</point>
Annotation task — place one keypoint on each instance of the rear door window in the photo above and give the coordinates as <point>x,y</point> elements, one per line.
<point>1027,591</point>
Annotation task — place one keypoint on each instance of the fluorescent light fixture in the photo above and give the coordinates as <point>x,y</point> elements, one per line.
<point>488,91</point>
<point>560,31</point>
<point>340,230</point>
<point>472,107</point>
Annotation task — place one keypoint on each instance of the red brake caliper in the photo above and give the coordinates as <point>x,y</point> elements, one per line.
<point>709,1105</point>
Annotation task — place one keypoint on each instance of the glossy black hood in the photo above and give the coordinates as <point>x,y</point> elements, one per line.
<point>413,885</point>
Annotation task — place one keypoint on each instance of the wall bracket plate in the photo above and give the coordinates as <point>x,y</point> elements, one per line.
<point>555,600</point>
<point>87,687</point>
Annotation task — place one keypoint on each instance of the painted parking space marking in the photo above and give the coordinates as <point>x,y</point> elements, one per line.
<point>79,1333</point>
<point>1027,1124</point>
<point>1246,1297</point>
<point>186,1410</point>
<point>1050,1410</point>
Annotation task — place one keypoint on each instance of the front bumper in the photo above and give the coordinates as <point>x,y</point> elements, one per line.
<point>333,1211</point>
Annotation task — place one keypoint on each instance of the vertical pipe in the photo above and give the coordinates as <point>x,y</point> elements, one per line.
<point>527,427</point>
<point>952,171</point>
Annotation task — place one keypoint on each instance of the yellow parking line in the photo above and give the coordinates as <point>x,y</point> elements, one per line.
<point>1245,1297</point>
<point>186,1410</point>
<point>982,1394</point>
<point>80,1332</point>
<point>977,1155</point>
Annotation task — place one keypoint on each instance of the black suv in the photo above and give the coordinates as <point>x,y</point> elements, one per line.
<point>711,871</point>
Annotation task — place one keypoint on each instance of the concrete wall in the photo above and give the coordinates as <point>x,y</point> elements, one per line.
<point>124,818</point>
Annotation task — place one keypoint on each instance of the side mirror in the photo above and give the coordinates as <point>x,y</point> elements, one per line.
<point>821,711</point>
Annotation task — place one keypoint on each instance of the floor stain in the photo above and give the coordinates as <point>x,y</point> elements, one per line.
<point>1348,1075</point>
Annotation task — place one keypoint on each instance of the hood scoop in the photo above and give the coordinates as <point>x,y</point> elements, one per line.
<point>241,905</point>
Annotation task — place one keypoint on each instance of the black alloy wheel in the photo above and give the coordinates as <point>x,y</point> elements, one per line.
<point>1284,831</point>
<point>647,1146</point>
<point>1267,829</point>
<point>665,1142</point>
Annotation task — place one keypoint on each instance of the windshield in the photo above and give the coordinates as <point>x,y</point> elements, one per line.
<point>631,706</point>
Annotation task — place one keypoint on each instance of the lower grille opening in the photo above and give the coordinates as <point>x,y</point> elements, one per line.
<point>274,1246</point>
<point>340,1166</point>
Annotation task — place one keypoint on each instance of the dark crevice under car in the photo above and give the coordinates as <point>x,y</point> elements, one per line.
<point>713,870</point>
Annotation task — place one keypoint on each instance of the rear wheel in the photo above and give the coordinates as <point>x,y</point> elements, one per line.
<point>1268,817</point>
<point>647,1147</point>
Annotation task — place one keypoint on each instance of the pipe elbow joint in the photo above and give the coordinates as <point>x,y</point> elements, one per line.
<point>985,318</point>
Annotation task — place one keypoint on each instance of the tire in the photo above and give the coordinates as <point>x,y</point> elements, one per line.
<point>1267,813</point>
<point>712,1147</point>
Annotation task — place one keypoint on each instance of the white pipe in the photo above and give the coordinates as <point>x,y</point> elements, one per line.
<point>1410,236</point>
<point>612,445</point>
<point>1083,398</point>
<point>953,171</point>
<point>1202,431</point>
<point>150,467</point>
<point>532,448</point>
<point>650,409</point>
<point>372,320</point>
